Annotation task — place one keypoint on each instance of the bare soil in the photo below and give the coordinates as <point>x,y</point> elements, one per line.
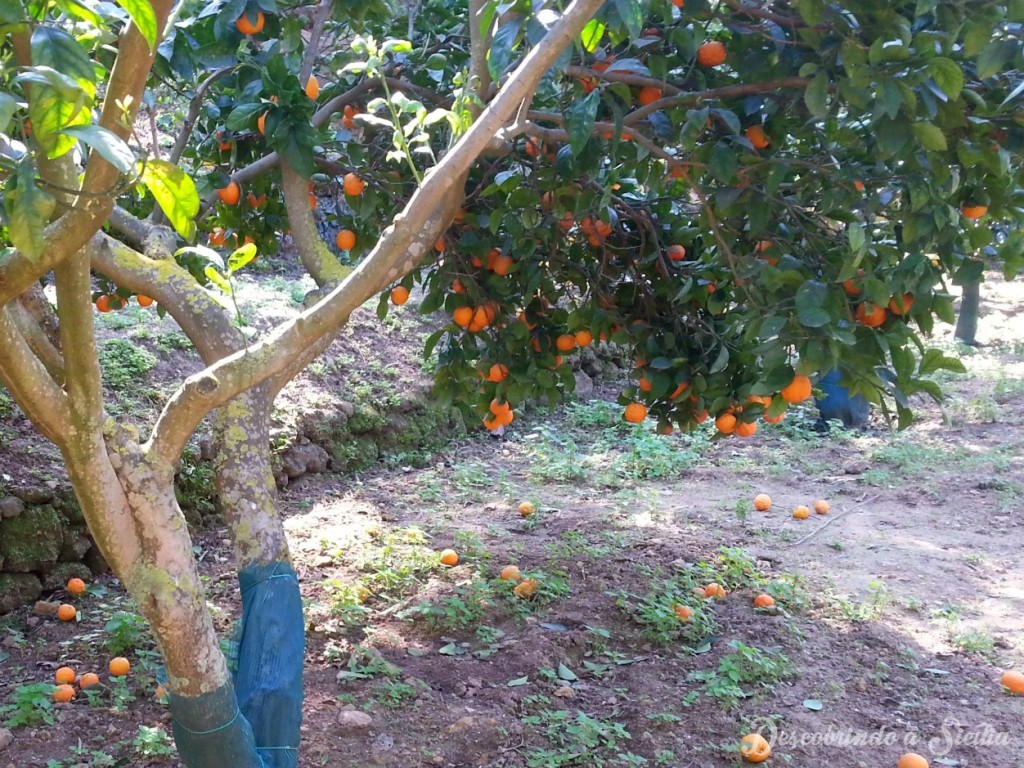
<point>896,612</point>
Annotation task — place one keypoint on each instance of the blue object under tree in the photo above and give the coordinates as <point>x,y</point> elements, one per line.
<point>836,402</point>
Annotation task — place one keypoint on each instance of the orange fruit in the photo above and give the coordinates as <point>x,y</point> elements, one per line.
<point>526,509</point>
<point>103,303</point>
<point>458,287</point>
<point>313,87</point>
<point>510,573</point>
<point>858,185</point>
<point>492,424</point>
<point>746,428</point>
<point>666,429</point>
<point>255,202</point>
<point>755,748</point>
<point>648,95</point>
<point>463,316</point>
<point>762,502</point>
<point>635,413</point>
<point>532,147</point>
<point>676,252</point>
<point>1013,681</point>
<point>63,693</point>
<point>801,512</point>
<point>312,201</point>
<point>755,135</point>
<point>682,387</point>
<point>821,507</point>
<point>714,589</point>
<point>912,760</point>
<point>684,612</point>
<point>231,194</point>
<point>764,601</point>
<point>449,557</point>
<point>900,305</point>
<point>399,295</point>
<point>247,27</point>
<point>261,124</point>
<point>346,239</point>
<point>66,612</point>
<point>353,185</point>
<point>566,342</point>
<point>76,586</point>
<point>798,390</point>
<point>501,264</point>
<point>679,3</point>
<point>851,287</point>
<point>88,680</point>
<point>971,211</point>
<point>218,237</point>
<point>498,407</point>
<point>144,301</point>
<point>526,589</point>
<point>711,54</point>
<point>774,419</point>
<point>871,315</point>
<point>645,384</point>
<point>584,338</point>
<point>726,423</point>
<point>497,373</point>
<point>699,592</point>
<point>119,667</point>
<point>64,675</point>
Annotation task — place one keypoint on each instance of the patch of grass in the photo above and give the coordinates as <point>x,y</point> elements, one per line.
<point>153,742</point>
<point>455,612</point>
<point>399,564</point>
<point>975,641</point>
<point>655,611</point>
<point>743,671</point>
<point>367,664</point>
<point>395,694</point>
<point>124,363</point>
<point>577,739</point>
<point>867,610</point>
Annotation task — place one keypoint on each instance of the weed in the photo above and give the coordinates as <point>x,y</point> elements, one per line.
<point>347,602</point>
<point>454,612</point>
<point>870,609</point>
<point>31,705</point>
<point>125,632</point>
<point>153,742</point>
<point>746,666</point>
<point>655,611</point>
<point>393,694</point>
<point>577,740</point>
<point>124,363</point>
<point>975,641</point>
<point>367,664</point>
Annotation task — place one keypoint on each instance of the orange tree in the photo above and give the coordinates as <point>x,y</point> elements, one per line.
<point>747,195</point>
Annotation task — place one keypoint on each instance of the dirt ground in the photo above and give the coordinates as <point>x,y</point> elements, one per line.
<point>895,613</point>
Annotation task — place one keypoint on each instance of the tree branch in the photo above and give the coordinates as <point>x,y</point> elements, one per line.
<point>479,45</point>
<point>402,246</point>
<point>323,13</point>
<point>78,339</point>
<point>322,265</point>
<point>38,341</point>
<point>724,92</point>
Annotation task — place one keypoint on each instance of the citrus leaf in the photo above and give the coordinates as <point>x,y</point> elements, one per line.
<point>947,75</point>
<point>143,18</point>
<point>930,136</point>
<point>500,57</point>
<point>175,193</point>
<point>564,673</point>
<point>50,114</point>
<point>240,257</point>
<point>816,95</point>
<point>29,209</point>
<point>631,13</point>
<point>53,47</point>
<point>580,120</point>
<point>107,143</point>
<point>214,276</point>
<point>518,681</point>
<point>813,704</point>
<point>591,35</point>
<point>7,108</point>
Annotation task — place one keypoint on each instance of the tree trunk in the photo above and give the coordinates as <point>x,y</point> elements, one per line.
<point>967,320</point>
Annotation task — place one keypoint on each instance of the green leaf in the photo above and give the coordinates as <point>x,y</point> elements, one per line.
<point>721,361</point>
<point>947,75</point>
<point>107,143</point>
<point>816,95</point>
<point>53,47</point>
<point>813,704</point>
<point>51,113</point>
<point>242,115</point>
<point>722,163</point>
<point>175,193</point>
<point>933,360</point>
<point>143,18</point>
<point>240,257</point>
<point>564,673</point>
<point>579,120</point>
<point>11,12</point>
<point>517,682</point>
<point>592,35</point>
<point>8,106</point>
<point>502,46</point>
<point>855,236</point>
<point>28,209</point>
<point>994,57</point>
<point>929,136</point>
<point>630,11</point>
<point>811,11</point>
<point>214,276</point>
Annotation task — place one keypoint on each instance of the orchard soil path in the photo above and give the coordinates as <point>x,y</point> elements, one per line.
<point>897,611</point>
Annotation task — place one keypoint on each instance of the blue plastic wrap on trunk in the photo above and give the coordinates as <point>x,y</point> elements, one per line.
<point>210,732</point>
<point>837,403</point>
<point>271,651</point>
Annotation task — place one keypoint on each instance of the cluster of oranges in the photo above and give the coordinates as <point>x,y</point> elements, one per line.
<point>66,678</point>
<point>66,611</point>
<point>525,587</point>
<point>106,302</point>
<point>763,502</point>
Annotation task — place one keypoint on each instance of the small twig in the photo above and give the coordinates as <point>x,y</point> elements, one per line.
<point>815,532</point>
<point>516,748</point>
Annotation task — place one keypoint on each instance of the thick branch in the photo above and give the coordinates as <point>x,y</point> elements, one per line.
<point>38,341</point>
<point>479,46</point>
<point>78,339</point>
<point>402,246</point>
<point>323,13</point>
<point>316,257</point>
<point>725,92</point>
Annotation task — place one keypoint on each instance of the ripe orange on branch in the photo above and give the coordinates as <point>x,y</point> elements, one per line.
<point>635,413</point>
<point>247,27</point>
<point>353,185</point>
<point>757,137</point>
<point>871,315</point>
<point>346,239</point>
<point>798,390</point>
<point>711,53</point>
<point>231,194</point>
<point>648,95</point>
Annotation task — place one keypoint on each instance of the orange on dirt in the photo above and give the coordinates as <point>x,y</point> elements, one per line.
<point>399,295</point>
<point>88,680</point>
<point>822,507</point>
<point>648,95</point>
<point>900,305</point>
<point>912,760</point>
<point>584,338</point>
<point>699,592</point>
<point>63,693</point>
<point>75,586</point>
<point>764,600</point>
<point>762,502</point>
<point>801,512</point>
<point>66,612</point>
<point>231,194</point>
<point>871,315</point>
<point>711,54</point>
<point>346,239</point>
<point>684,612</point>
<point>755,135</point>
<point>798,390</point>
<point>1013,681</point>
<point>714,589</point>
<point>449,557</point>
<point>971,211</point>
<point>313,87</point>
<point>144,301</point>
<point>676,252</point>
<point>526,589</point>
<point>755,748</point>
<point>246,27</point>
<point>64,675</point>
<point>119,667</point>
<point>726,423</point>
<point>526,509</point>
<point>510,573</point>
<point>635,413</point>
<point>497,373</point>
<point>353,185</point>
<point>566,342</point>
<point>746,428</point>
